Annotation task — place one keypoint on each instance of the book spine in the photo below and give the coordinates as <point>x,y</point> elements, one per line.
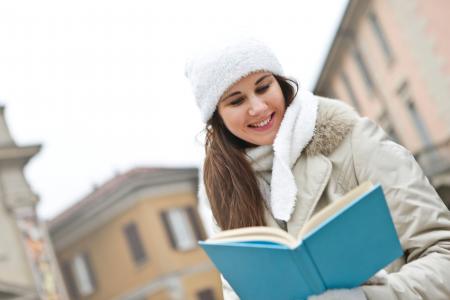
<point>308,269</point>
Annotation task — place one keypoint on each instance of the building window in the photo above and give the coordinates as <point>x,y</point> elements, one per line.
<point>404,94</point>
<point>206,294</point>
<point>388,127</point>
<point>79,276</point>
<point>363,69</point>
<point>379,33</point>
<point>183,227</point>
<point>135,243</point>
<point>69,280</point>
<point>350,92</point>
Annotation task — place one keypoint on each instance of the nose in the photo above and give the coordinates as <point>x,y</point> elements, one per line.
<point>257,106</point>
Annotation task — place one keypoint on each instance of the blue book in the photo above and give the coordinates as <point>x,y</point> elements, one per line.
<point>342,246</point>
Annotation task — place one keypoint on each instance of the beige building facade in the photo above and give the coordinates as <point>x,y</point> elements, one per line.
<point>390,60</point>
<point>135,237</point>
<point>28,268</point>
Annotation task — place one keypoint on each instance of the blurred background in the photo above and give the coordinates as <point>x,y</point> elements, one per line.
<point>100,138</point>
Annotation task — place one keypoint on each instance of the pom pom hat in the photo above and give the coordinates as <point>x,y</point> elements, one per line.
<point>212,73</point>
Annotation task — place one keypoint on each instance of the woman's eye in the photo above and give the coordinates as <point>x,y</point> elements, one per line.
<point>263,89</point>
<point>237,101</point>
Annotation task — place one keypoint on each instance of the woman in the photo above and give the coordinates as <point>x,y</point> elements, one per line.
<point>276,155</point>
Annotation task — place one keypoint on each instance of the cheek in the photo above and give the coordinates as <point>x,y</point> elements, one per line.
<point>277,105</point>
<point>280,102</point>
<point>233,119</point>
<point>275,96</point>
<point>234,123</point>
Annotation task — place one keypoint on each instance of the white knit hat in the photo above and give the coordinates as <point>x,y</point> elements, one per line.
<point>212,73</point>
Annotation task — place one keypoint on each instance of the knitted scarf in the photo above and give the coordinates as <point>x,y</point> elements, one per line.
<point>296,130</point>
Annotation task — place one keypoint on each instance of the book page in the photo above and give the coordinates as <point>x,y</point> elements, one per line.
<point>334,207</point>
<point>259,233</point>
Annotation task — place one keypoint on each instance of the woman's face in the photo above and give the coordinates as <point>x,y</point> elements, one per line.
<point>253,107</point>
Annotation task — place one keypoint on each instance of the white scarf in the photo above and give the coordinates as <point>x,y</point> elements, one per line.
<point>296,130</point>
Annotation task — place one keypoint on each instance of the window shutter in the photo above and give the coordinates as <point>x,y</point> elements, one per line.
<point>195,221</point>
<point>380,34</point>
<point>363,68</point>
<point>70,280</point>
<point>135,243</point>
<point>206,294</point>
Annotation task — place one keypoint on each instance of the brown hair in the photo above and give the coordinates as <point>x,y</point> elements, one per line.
<point>231,185</point>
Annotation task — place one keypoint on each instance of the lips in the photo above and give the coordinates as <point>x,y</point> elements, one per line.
<point>263,124</point>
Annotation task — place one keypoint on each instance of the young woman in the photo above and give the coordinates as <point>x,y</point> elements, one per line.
<point>276,154</point>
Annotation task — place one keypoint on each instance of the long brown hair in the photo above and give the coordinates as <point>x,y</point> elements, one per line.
<point>231,185</point>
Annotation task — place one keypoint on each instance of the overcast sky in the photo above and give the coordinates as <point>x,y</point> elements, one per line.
<point>100,84</point>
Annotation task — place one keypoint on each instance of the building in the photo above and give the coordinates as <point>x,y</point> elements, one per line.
<point>390,59</point>
<point>28,268</point>
<point>135,237</point>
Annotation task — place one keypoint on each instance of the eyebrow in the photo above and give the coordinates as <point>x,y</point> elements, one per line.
<point>261,79</point>
<point>256,83</point>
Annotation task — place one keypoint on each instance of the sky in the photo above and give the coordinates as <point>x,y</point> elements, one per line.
<point>100,84</point>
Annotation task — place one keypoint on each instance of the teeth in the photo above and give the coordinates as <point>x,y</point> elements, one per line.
<point>262,123</point>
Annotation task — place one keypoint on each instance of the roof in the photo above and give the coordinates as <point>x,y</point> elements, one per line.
<point>113,185</point>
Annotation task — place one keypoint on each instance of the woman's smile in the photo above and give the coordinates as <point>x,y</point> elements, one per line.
<point>264,124</point>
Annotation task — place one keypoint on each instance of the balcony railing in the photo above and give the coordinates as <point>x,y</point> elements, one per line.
<point>435,159</point>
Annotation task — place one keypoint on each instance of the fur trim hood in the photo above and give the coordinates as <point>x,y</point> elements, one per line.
<point>335,120</point>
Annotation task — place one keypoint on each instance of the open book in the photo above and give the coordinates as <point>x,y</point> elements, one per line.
<point>342,246</point>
